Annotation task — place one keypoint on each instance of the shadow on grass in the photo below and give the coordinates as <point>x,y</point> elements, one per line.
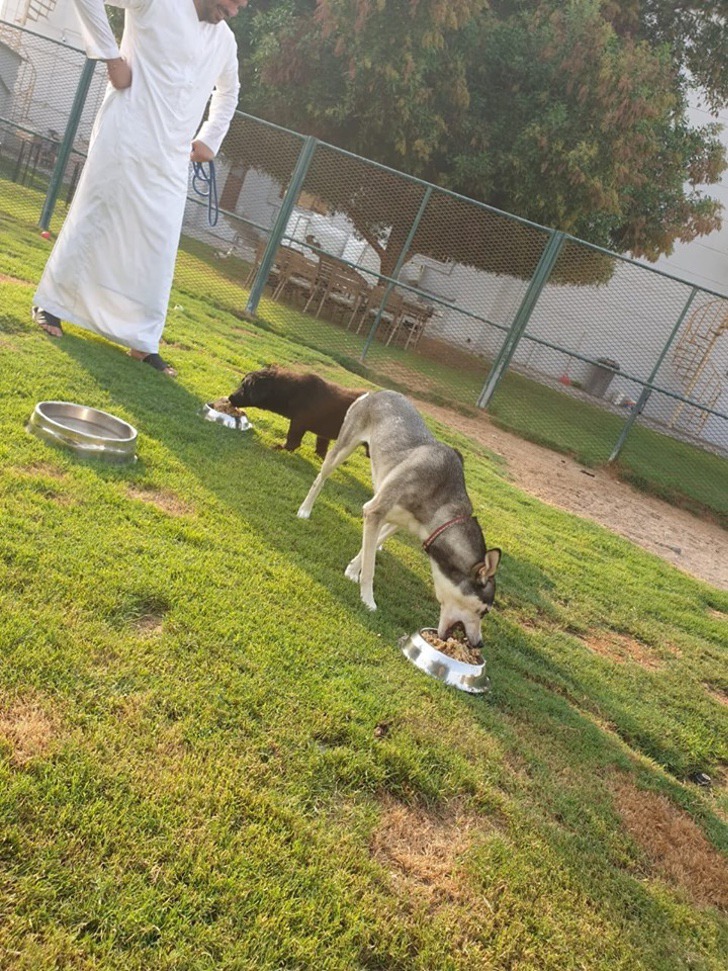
<point>535,696</point>
<point>262,490</point>
<point>594,717</point>
<point>261,487</point>
<point>570,764</point>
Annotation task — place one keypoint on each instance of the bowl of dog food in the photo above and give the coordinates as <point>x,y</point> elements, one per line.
<point>87,431</point>
<point>224,413</point>
<point>454,661</point>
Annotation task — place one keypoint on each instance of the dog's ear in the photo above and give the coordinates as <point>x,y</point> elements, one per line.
<point>460,456</point>
<point>485,570</point>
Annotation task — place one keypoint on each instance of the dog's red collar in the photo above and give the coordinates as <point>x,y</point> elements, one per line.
<point>441,529</point>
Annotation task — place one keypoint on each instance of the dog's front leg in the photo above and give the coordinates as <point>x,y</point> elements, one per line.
<point>296,431</point>
<point>353,570</point>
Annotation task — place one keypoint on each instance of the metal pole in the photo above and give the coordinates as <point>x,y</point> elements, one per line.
<point>647,391</point>
<point>19,163</point>
<point>397,267</point>
<point>279,226</point>
<point>66,146</point>
<point>523,315</point>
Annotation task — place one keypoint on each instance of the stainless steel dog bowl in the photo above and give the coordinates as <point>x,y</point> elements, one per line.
<point>230,421</point>
<point>458,674</point>
<point>85,430</point>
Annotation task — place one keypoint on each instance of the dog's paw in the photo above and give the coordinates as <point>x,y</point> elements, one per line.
<point>303,513</point>
<point>369,603</point>
<point>353,571</point>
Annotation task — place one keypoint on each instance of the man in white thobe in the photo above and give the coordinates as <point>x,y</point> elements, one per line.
<point>112,266</point>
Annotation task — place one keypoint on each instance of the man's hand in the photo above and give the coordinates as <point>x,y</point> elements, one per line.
<point>119,73</point>
<point>201,153</point>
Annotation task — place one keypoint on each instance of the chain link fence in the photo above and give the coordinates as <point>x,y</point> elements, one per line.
<point>416,287</point>
<point>44,86</point>
<point>443,297</point>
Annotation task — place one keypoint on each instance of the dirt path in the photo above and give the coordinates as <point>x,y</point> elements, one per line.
<point>693,545</point>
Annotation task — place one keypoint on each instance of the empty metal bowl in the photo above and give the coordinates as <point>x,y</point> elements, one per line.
<point>458,674</point>
<point>230,421</point>
<point>85,430</point>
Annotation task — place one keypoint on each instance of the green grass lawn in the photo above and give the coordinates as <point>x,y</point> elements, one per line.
<point>213,757</point>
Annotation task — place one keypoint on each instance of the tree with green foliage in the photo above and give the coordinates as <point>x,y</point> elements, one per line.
<point>572,115</point>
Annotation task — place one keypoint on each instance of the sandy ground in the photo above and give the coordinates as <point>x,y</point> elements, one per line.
<point>697,547</point>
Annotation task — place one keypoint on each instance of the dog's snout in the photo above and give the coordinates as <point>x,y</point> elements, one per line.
<point>459,628</point>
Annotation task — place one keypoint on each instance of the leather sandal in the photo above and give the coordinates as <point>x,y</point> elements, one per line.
<point>47,321</point>
<point>158,363</point>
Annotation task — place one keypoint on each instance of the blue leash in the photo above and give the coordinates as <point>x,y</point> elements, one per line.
<point>206,187</point>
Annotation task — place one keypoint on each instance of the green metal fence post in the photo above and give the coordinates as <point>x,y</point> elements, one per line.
<point>79,100</point>
<point>647,389</point>
<point>397,267</point>
<point>523,315</point>
<point>279,226</point>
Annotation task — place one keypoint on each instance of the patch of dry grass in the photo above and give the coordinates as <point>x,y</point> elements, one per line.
<point>421,849</point>
<point>716,692</point>
<point>149,625</point>
<point>620,648</point>
<point>41,468</point>
<point>162,499</point>
<point>675,847</point>
<point>27,728</point>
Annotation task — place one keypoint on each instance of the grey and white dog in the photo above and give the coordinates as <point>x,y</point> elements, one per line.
<point>419,485</point>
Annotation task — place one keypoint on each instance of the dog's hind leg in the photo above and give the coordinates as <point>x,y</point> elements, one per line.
<point>349,437</point>
<point>353,570</point>
<point>341,451</point>
<point>322,446</point>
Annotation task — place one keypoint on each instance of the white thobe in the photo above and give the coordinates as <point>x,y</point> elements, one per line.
<point>111,268</point>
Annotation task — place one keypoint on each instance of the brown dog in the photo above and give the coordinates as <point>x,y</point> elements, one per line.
<point>312,404</point>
